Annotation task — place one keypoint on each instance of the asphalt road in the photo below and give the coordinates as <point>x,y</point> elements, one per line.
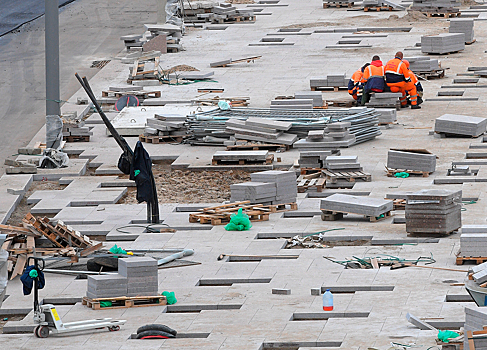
<point>89,30</point>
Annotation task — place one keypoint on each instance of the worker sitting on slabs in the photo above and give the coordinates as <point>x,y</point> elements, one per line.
<point>374,79</point>
<point>355,84</point>
<point>398,80</point>
<point>415,81</point>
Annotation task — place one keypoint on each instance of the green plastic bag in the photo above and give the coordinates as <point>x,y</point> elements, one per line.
<point>445,335</point>
<point>105,303</point>
<point>239,222</point>
<point>170,297</point>
<point>401,174</point>
<point>117,250</point>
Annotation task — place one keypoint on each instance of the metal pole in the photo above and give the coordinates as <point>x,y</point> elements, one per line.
<point>52,58</point>
<point>161,11</point>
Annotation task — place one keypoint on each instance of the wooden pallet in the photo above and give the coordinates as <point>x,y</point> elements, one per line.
<point>233,19</point>
<point>324,88</point>
<point>378,8</point>
<point>307,171</point>
<point>327,215</point>
<point>269,159</point>
<point>125,302</point>
<point>337,4</point>
<point>476,259</point>
<point>392,172</point>
<point>434,74</point>
<point>399,204</point>
<point>350,176</point>
<point>471,42</point>
<point>443,14</point>
<point>257,147</point>
<point>72,138</point>
<point>162,138</point>
<point>305,184</point>
<point>224,218</point>
<point>279,208</point>
<point>143,94</point>
<point>209,90</point>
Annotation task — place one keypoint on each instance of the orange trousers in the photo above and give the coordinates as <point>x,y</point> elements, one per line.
<point>404,87</point>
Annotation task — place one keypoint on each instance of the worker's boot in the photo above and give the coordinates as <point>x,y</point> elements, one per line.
<point>404,106</point>
<point>415,107</point>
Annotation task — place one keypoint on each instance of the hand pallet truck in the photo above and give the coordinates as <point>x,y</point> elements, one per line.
<point>48,319</point>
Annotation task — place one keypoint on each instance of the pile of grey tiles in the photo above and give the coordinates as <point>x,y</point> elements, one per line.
<point>371,207</point>
<point>137,276</point>
<point>292,103</point>
<point>76,129</point>
<point>240,156</point>
<point>387,115</point>
<point>313,159</point>
<point>172,32</point>
<point>436,6</point>
<point>443,43</point>
<point>384,100</point>
<point>463,25</point>
<point>285,182</point>
<point>423,64</point>
<point>411,159</point>
<point>255,192</point>
<point>343,163</point>
<point>475,320</point>
<point>433,211</point>
<point>473,245</point>
<point>454,124</point>
<point>166,125</point>
<point>208,11</point>
<point>198,11</point>
<point>260,129</point>
<point>316,96</point>
<point>338,1</point>
<point>338,80</point>
<point>335,135</point>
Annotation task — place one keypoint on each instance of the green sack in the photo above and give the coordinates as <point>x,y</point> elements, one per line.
<point>401,174</point>
<point>445,335</point>
<point>170,297</point>
<point>117,250</point>
<point>105,303</point>
<point>239,222</point>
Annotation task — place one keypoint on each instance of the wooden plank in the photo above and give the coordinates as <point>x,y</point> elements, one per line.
<point>91,249</point>
<point>19,266</point>
<point>375,263</point>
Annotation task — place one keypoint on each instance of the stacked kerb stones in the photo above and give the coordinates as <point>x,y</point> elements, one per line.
<point>463,25</point>
<point>316,96</point>
<point>433,211</point>
<point>141,275</point>
<point>313,159</point>
<point>416,160</point>
<point>387,115</point>
<point>473,245</point>
<point>372,207</point>
<point>335,135</point>
<point>166,125</point>
<point>107,286</point>
<point>460,125</point>
<point>337,81</point>
<point>443,43</point>
<point>343,163</point>
<point>285,182</point>
<point>422,64</point>
<point>384,100</point>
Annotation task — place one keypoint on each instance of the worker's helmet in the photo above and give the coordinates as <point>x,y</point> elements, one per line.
<point>406,62</point>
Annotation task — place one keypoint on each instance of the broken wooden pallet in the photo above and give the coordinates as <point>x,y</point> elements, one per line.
<point>73,138</point>
<point>442,14</point>
<point>316,183</point>
<point>392,172</point>
<point>125,302</point>
<point>269,159</point>
<point>434,74</point>
<point>162,139</point>
<point>327,215</point>
<point>224,218</point>
<point>350,176</point>
<point>378,8</point>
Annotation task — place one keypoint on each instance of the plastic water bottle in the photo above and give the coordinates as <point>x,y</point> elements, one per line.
<point>327,301</point>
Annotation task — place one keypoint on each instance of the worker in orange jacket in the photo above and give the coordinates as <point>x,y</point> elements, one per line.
<point>416,82</point>
<point>398,80</point>
<point>373,79</point>
<point>355,84</point>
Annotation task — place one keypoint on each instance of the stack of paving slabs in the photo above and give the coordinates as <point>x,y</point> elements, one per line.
<point>342,2</point>
<point>453,124</point>
<point>384,100</point>
<point>167,126</point>
<point>423,64</point>
<point>76,131</point>
<point>132,41</point>
<point>433,211</point>
<point>242,157</point>
<point>137,276</point>
<point>443,43</point>
<point>316,96</point>
<point>436,6</point>
<point>261,129</point>
<point>255,192</point>
<point>292,103</point>
<point>462,25</point>
<point>313,159</point>
<point>198,11</point>
<point>172,34</point>
<point>475,320</point>
<point>335,135</point>
<point>342,203</point>
<point>387,115</point>
<point>411,159</point>
<point>473,245</point>
<point>338,80</point>
<point>342,165</point>
<point>285,182</point>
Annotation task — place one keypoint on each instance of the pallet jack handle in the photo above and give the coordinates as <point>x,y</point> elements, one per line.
<point>39,265</point>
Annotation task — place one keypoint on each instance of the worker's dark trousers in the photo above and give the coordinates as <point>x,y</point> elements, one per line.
<point>365,97</point>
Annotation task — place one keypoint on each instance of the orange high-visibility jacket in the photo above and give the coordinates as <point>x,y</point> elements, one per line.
<point>396,71</point>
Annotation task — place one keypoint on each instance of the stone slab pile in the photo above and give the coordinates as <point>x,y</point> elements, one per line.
<point>209,11</point>
<point>255,192</point>
<point>292,103</point>
<point>462,25</point>
<point>443,43</point>
<point>411,159</point>
<point>172,33</point>
<point>166,125</point>
<point>285,182</point>
<point>473,245</point>
<point>335,135</point>
<point>316,96</point>
<point>387,115</point>
<point>343,163</point>
<point>337,80</point>
<point>132,41</point>
<point>235,156</point>
<point>313,159</point>
<point>373,207</point>
<point>433,211</point>
<point>384,100</point>
<point>137,276</point>
<point>475,320</point>
<point>260,129</point>
<point>438,6</point>
<point>455,124</point>
<point>422,64</point>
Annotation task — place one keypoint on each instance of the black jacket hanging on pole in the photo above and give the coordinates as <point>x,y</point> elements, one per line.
<point>141,173</point>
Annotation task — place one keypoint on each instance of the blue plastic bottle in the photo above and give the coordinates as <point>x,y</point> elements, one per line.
<point>327,301</point>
